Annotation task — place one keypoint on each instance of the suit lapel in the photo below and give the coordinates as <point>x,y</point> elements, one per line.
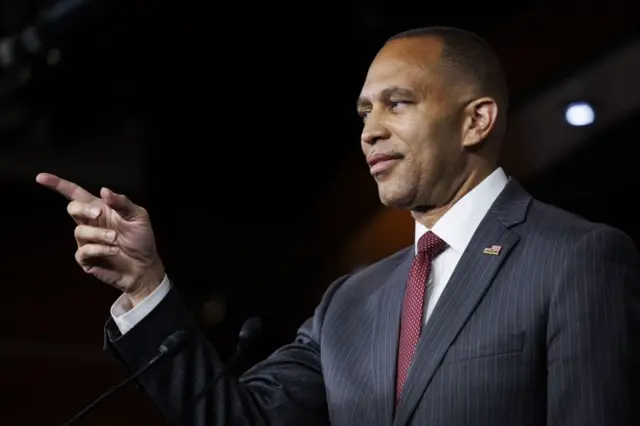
<point>468,284</point>
<point>385,339</point>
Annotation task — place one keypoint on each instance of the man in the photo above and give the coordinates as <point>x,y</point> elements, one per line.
<point>506,311</point>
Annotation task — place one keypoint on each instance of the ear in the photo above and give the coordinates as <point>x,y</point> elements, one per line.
<point>480,118</point>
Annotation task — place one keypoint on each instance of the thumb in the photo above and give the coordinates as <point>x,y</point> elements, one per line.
<point>121,204</point>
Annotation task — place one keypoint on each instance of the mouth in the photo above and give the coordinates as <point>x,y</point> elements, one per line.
<point>380,163</point>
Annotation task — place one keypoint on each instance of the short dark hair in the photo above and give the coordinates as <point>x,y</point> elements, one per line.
<point>470,56</point>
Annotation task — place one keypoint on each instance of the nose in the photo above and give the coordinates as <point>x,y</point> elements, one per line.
<point>374,130</point>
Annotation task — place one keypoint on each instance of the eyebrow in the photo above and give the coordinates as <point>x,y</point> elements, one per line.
<point>387,94</point>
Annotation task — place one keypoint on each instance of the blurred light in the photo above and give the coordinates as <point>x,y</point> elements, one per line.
<point>54,57</point>
<point>579,114</point>
<point>213,312</point>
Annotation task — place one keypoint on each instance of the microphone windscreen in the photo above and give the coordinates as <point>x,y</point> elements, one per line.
<point>173,343</point>
<point>250,330</point>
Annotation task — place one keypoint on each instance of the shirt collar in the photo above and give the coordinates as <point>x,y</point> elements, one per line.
<point>459,223</point>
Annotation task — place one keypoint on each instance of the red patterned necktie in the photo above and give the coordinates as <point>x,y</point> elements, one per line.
<point>429,246</point>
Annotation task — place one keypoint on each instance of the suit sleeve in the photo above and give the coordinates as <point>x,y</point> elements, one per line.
<point>285,389</point>
<point>593,332</point>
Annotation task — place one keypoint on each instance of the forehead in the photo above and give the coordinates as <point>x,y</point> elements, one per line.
<point>408,63</point>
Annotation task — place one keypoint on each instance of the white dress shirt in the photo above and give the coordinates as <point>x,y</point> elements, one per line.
<point>455,227</point>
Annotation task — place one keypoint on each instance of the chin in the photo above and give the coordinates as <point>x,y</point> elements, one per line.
<point>395,198</point>
<point>397,188</point>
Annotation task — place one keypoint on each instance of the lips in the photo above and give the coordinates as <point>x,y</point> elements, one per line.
<point>379,163</point>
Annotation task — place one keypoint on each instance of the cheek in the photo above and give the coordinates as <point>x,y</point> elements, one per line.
<point>413,133</point>
<point>422,145</point>
<point>426,137</point>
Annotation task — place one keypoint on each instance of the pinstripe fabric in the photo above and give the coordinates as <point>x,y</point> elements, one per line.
<point>545,333</point>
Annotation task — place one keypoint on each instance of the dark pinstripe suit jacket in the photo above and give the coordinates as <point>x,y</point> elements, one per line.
<point>544,333</point>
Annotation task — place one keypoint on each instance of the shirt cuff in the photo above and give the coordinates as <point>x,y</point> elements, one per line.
<point>127,316</point>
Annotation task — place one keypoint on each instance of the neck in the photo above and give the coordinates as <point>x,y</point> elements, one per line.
<point>429,216</point>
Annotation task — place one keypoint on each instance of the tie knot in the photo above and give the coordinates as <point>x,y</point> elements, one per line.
<point>431,244</point>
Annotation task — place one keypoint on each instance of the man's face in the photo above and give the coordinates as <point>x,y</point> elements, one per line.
<point>412,125</point>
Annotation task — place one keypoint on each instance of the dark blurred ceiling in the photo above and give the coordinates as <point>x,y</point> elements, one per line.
<point>235,77</point>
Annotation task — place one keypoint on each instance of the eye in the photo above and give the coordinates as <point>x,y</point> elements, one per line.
<point>394,105</point>
<point>363,114</point>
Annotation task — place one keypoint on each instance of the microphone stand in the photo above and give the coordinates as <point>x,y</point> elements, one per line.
<point>170,347</point>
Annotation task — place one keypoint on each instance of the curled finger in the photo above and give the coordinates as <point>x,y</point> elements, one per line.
<point>91,234</point>
<point>90,252</point>
<point>83,211</point>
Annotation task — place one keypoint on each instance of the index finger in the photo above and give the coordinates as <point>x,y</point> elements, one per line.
<point>68,189</point>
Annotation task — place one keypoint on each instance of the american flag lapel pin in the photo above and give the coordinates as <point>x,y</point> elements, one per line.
<point>493,250</point>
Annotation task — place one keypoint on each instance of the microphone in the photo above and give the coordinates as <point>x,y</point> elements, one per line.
<point>249,331</point>
<point>169,347</point>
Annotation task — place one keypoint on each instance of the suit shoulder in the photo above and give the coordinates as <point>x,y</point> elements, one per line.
<point>372,277</point>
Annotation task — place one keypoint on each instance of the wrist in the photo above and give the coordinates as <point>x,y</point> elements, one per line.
<point>147,284</point>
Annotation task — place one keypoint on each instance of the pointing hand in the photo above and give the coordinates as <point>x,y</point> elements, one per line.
<point>115,239</point>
